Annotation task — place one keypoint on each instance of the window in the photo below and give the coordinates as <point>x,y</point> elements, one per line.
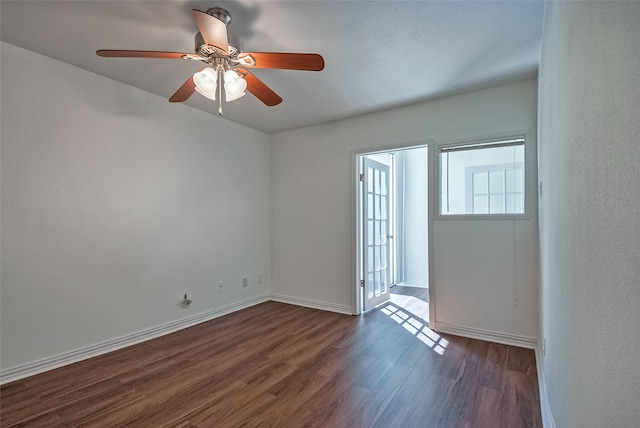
<point>483,177</point>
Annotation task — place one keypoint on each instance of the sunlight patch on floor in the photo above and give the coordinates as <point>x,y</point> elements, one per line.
<point>413,315</point>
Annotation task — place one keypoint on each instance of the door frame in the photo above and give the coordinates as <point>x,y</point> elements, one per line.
<point>356,197</point>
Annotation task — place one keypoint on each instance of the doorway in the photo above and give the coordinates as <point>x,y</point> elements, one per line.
<point>392,223</point>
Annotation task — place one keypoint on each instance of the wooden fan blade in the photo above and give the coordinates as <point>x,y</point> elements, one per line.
<point>282,60</point>
<point>184,92</point>
<point>214,31</point>
<point>259,89</point>
<point>112,53</point>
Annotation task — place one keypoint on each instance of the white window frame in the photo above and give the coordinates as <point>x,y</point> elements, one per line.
<point>528,184</point>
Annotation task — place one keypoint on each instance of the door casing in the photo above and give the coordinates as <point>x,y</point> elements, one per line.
<point>357,251</point>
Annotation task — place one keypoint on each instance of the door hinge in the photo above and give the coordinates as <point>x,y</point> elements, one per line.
<point>362,283</point>
<point>361,177</point>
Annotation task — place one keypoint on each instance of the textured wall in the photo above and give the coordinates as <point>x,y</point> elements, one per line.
<point>589,165</point>
<point>115,203</point>
<point>415,228</point>
<point>312,224</point>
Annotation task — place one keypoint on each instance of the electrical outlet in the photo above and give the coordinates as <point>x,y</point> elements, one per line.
<point>220,287</point>
<point>259,279</point>
<point>244,282</point>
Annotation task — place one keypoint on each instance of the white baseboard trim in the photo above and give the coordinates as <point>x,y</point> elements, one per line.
<point>50,363</point>
<point>314,304</point>
<point>545,408</point>
<point>64,359</point>
<point>487,335</point>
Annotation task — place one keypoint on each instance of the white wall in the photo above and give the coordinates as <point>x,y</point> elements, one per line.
<point>414,241</point>
<point>312,221</point>
<point>589,167</point>
<point>115,203</point>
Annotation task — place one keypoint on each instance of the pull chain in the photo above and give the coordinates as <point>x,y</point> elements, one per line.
<point>220,92</point>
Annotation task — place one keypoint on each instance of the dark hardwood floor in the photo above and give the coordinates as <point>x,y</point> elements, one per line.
<point>277,365</point>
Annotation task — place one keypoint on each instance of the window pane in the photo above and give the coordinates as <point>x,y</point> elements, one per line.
<point>370,180</point>
<point>468,173</point>
<point>480,183</point>
<point>383,207</point>
<point>444,183</point>
<point>513,203</point>
<point>383,231</point>
<point>496,181</point>
<point>383,257</point>
<point>383,183</point>
<point>513,181</point>
<point>518,181</point>
<point>370,284</point>
<point>510,203</point>
<point>480,205</point>
<point>509,181</point>
<point>376,181</point>
<point>519,203</point>
<point>496,204</point>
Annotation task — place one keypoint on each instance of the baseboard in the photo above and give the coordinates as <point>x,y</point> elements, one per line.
<point>545,408</point>
<point>487,335</point>
<point>314,304</point>
<point>50,363</point>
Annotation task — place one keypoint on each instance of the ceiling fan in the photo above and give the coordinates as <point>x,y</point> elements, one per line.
<point>225,62</point>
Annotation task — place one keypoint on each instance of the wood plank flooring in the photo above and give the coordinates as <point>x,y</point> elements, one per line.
<point>277,365</point>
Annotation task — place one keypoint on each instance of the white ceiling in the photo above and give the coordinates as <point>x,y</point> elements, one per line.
<point>378,54</point>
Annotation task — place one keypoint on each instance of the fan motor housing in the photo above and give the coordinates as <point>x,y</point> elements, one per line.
<point>206,50</point>
<point>235,45</point>
<point>220,13</point>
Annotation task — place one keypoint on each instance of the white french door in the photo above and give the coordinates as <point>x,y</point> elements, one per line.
<point>376,233</point>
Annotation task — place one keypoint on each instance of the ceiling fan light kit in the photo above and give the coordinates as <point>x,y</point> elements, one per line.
<point>221,51</point>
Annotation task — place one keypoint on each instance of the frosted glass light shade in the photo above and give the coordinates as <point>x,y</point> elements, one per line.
<point>206,82</point>
<point>234,85</point>
<point>211,95</point>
